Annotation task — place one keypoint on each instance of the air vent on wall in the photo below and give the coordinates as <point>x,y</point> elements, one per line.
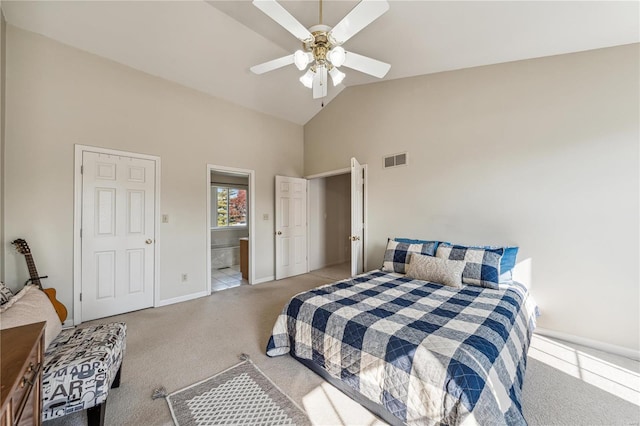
<point>394,160</point>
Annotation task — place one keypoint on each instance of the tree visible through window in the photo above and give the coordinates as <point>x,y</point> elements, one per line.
<point>231,207</point>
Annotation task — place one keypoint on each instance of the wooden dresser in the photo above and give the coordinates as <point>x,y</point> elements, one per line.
<point>21,356</point>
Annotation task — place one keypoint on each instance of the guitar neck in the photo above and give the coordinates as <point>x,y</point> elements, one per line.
<point>33,272</point>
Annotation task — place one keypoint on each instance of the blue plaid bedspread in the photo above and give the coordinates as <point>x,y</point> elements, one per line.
<point>428,353</point>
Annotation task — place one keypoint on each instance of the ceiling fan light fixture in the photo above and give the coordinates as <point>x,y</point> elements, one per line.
<point>322,53</point>
<point>301,59</point>
<point>337,56</point>
<point>307,79</point>
<point>336,76</point>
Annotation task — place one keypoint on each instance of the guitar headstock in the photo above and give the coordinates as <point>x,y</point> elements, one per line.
<point>21,246</point>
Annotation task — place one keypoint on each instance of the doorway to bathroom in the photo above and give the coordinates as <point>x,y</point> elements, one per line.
<point>230,224</point>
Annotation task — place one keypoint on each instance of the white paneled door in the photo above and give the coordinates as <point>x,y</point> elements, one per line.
<point>291,226</point>
<point>118,234</point>
<point>357,218</point>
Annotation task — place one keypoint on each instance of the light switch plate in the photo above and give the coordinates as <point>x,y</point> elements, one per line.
<point>165,218</point>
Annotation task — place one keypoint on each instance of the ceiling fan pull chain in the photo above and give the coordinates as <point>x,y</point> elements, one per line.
<point>320,12</point>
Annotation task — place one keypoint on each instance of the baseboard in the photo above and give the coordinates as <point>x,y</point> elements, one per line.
<point>595,344</point>
<point>263,280</point>
<point>328,265</point>
<point>181,299</point>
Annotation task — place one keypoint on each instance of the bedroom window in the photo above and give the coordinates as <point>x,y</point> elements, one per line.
<point>231,207</point>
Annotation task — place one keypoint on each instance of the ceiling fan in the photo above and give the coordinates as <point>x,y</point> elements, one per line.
<point>322,45</point>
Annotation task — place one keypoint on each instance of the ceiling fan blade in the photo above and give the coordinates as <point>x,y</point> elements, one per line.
<point>366,65</point>
<point>275,11</point>
<point>320,83</point>
<point>360,16</point>
<point>272,65</point>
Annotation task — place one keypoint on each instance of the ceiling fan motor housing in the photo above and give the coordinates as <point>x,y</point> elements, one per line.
<point>320,45</point>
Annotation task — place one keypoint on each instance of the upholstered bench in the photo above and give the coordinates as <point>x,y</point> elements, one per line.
<point>80,366</point>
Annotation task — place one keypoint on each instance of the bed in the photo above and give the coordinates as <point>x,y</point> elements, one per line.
<point>413,351</point>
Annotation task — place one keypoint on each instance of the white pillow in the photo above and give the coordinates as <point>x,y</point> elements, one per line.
<point>28,306</point>
<point>437,270</point>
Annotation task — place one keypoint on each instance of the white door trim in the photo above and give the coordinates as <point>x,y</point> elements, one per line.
<point>365,224</point>
<point>77,223</point>
<point>329,174</point>
<point>252,221</point>
<point>357,218</point>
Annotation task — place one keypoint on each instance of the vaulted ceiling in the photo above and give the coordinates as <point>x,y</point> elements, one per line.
<point>210,45</point>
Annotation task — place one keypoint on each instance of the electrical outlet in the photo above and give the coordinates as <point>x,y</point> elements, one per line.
<point>185,278</point>
<point>265,216</point>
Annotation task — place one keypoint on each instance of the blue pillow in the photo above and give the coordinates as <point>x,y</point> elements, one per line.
<point>398,254</point>
<point>507,263</point>
<point>483,264</point>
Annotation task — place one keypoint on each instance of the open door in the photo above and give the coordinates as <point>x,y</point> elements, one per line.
<point>357,218</point>
<point>291,226</point>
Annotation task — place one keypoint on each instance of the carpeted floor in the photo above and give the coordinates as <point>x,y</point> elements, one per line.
<point>177,345</point>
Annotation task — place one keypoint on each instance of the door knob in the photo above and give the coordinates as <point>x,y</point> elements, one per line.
<point>149,241</point>
<point>279,233</point>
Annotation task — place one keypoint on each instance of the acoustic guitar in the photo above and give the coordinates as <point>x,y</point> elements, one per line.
<point>23,248</point>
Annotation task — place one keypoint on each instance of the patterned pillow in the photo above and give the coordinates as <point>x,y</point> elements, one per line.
<point>412,241</point>
<point>507,262</point>
<point>397,255</point>
<point>436,270</point>
<point>5,293</point>
<point>483,265</point>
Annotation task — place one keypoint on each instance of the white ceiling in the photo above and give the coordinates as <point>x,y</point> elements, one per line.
<point>209,46</point>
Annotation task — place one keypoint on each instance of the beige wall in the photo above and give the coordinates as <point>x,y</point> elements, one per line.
<point>3,27</point>
<point>59,96</point>
<point>541,153</point>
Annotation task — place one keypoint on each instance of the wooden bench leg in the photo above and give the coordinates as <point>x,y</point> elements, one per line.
<point>116,380</point>
<point>95,414</point>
